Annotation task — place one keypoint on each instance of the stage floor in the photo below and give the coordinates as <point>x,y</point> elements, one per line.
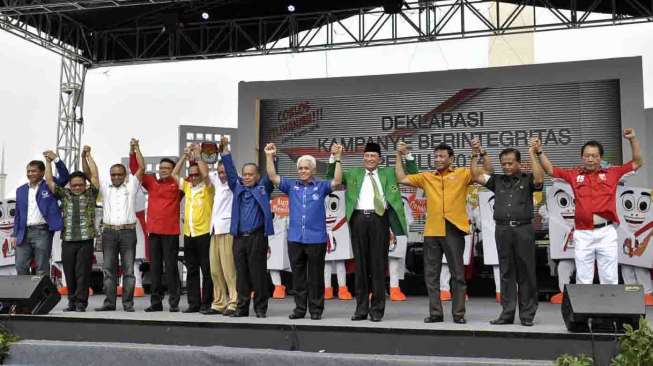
<point>398,315</point>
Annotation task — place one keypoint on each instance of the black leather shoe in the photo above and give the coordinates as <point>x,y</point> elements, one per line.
<point>501,321</point>
<point>433,319</point>
<point>358,317</point>
<point>153,309</point>
<point>316,316</point>
<point>106,308</point>
<point>375,318</point>
<point>261,315</point>
<point>210,311</point>
<point>191,310</point>
<point>174,309</point>
<point>80,308</point>
<point>238,314</point>
<point>527,323</point>
<point>460,320</point>
<point>228,312</point>
<point>296,316</point>
<point>70,307</point>
<point>129,310</point>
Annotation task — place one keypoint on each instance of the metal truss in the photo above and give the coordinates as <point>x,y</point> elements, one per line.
<point>71,117</point>
<point>23,7</point>
<point>417,22</point>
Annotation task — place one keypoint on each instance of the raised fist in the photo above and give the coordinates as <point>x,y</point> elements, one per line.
<point>629,133</point>
<point>270,149</point>
<point>403,148</point>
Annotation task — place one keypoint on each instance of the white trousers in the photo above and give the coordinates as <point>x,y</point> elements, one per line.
<point>275,275</point>
<point>598,245</point>
<point>496,273</point>
<point>565,268</point>
<point>637,276</point>
<point>341,273</point>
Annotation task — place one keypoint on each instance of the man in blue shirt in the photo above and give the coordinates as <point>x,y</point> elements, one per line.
<point>251,223</point>
<point>307,229</point>
<point>37,216</point>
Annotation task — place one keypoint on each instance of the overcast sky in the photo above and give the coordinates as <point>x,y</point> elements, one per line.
<point>150,101</point>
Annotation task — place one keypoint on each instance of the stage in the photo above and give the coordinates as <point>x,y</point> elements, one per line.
<point>402,331</point>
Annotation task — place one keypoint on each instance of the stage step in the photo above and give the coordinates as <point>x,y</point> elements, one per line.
<point>34,352</point>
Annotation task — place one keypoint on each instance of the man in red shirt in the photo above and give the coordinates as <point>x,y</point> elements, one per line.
<point>163,232</point>
<point>595,234</point>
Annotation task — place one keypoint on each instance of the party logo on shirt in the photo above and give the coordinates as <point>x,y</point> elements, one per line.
<point>602,177</point>
<point>45,194</point>
<point>580,179</point>
<point>316,196</point>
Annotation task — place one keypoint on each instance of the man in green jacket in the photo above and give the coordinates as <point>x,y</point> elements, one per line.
<point>374,205</point>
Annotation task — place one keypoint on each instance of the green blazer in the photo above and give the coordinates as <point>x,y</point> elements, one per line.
<point>353,180</point>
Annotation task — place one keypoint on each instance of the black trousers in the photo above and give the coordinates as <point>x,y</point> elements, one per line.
<point>307,264</point>
<point>196,257</point>
<point>453,247</point>
<point>251,257</point>
<point>516,249</point>
<point>77,258</point>
<point>370,237</point>
<point>164,250</point>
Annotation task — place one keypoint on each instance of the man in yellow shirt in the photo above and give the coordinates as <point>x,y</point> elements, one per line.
<point>445,229</point>
<point>198,207</point>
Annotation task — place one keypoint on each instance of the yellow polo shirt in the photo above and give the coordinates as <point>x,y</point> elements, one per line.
<point>198,208</point>
<point>446,197</point>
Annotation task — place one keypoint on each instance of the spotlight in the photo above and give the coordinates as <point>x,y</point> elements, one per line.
<point>205,15</point>
<point>291,8</point>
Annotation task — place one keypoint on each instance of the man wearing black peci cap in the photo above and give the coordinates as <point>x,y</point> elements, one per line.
<point>374,205</point>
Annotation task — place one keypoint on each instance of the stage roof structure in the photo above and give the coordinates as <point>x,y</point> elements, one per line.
<point>110,32</point>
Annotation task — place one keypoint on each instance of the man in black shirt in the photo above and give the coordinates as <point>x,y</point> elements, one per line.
<point>514,233</point>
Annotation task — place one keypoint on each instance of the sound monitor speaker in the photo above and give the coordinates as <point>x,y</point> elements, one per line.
<point>604,307</point>
<point>28,294</point>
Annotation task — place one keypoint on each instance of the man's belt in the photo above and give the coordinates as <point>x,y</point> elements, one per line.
<point>251,232</point>
<point>598,226</point>
<point>119,227</point>
<point>512,223</point>
<point>38,226</point>
<point>365,212</point>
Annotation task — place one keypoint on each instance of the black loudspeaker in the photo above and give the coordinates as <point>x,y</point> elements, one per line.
<point>28,294</point>
<point>605,307</point>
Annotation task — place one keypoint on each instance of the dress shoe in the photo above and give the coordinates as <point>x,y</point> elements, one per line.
<point>70,307</point>
<point>501,321</point>
<point>174,309</point>
<point>228,312</point>
<point>239,314</point>
<point>153,309</point>
<point>527,323</point>
<point>375,318</point>
<point>460,320</point>
<point>433,319</point>
<point>80,308</point>
<point>129,309</point>
<point>261,315</point>
<point>210,311</point>
<point>358,317</point>
<point>191,310</point>
<point>106,308</point>
<point>296,316</point>
<point>316,316</point>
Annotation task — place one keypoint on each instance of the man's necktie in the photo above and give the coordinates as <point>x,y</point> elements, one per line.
<point>379,206</point>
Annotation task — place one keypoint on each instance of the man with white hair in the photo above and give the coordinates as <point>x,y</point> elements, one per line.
<point>306,232</point>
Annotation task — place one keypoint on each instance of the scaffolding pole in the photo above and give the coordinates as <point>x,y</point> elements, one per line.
<point>71,117</point>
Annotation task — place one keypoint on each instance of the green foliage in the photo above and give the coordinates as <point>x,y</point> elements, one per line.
<point>5,339</point>
<point>636,346</point>
<point>570,360</point>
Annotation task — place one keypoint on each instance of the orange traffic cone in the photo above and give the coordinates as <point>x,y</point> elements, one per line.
<point>497,297</point>
<point>119,290</point>
<point>445,295</point>
<point>63,291</point>
<point>648,299</point>
<point>328,293</point>
<point>396,294</point>
<point>139,292</point>
<point>279,292</point>
<point>556,299</point>
<point>344,294</point>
